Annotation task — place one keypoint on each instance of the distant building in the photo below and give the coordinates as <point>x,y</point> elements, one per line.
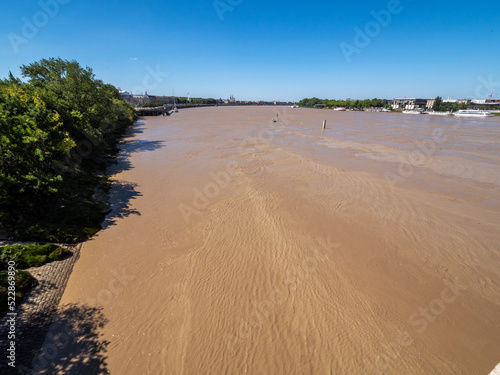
<point>140,99</point>
<point>486,102</point>
<point>126,96</point>
<point>409,103</point>
<point>458,101</point>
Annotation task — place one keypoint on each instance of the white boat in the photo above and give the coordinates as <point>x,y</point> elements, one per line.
<point>385,110</point>
<point>412,112</point>
<point>473,113</point>
<point>433,113</point>
<point>339,109</point>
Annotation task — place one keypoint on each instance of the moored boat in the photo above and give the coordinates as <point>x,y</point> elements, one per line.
<point>473,113</point>
<point>434,113</point>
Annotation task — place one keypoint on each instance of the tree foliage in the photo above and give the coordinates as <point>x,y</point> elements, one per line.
<point>56,131</point>
<point>440,106</point>
<point>358,104</point>
<point>184,100</point>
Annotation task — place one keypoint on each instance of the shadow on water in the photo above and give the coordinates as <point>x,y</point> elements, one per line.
<point>123,192</point>
<point>121,195</point>
<point>130,145</point>
<point>137,128</point>
<point>73,344</point>
<point>139,145</point>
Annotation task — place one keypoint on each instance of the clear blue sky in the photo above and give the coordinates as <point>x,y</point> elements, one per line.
<point>270,50</point>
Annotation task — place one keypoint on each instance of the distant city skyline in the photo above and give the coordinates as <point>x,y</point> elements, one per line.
<point>258,50</point>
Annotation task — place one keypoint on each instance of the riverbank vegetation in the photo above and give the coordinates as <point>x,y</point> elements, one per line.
<point>349,104</point>
<point>440,106</point>
<point>23,281</point>
<point>31,255</point>
<point>205,101</point>
<point>58,129</point>
<point>24,256</point>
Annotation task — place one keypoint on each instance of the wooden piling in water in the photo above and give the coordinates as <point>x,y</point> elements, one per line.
<point>324,124</point>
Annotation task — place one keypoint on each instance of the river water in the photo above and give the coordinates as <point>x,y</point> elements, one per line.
<point>238,245</point>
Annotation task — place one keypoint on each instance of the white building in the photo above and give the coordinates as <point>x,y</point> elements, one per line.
<point>459,101</point>
<point>409,103</point>
<point>125,95</point>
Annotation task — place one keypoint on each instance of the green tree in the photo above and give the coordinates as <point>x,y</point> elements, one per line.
<point>82,101</point>
<point>437,104</point>
<point>31,140</point>
<point>56,131</point>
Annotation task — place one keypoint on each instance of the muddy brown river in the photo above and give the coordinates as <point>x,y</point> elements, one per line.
<point>238,245</point>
